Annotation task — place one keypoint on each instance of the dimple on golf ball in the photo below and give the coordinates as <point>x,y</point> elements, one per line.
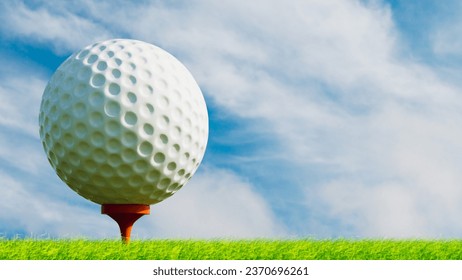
<point>123,122</point>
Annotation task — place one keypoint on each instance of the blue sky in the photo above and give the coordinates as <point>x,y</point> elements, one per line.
<point>327,118</point>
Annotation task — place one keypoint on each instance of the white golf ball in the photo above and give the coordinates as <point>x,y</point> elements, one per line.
<point>123,122</point>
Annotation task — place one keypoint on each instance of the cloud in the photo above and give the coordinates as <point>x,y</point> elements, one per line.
<point>216,204</point>
<point>446,40</point>
<point>24,209</point>
<point>20,102</point>
<point>21,87</point>
<point>24,154</point>
<point>49,25</point>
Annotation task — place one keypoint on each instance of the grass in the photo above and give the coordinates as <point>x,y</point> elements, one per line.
<point>341,249</point>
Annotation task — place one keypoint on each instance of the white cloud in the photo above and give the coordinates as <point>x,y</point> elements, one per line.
<point>446,40</point>
<point>23,154</point>
<point>216,204</point>
<point>38,214</point>
<point>64,30</point>
<point>443,33</point>
<point>20,102</point>
<point>21,87</point>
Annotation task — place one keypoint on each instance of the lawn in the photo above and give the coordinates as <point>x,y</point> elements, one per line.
<point>340,249</point>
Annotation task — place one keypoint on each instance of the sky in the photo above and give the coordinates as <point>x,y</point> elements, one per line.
<point>327,119</point>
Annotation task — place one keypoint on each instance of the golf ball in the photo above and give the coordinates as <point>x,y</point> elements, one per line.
<point>123,122</point>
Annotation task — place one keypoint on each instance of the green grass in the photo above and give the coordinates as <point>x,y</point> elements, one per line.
<point>341,249</point>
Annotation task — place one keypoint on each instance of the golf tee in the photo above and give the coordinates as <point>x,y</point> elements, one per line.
<point>125,215</point>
